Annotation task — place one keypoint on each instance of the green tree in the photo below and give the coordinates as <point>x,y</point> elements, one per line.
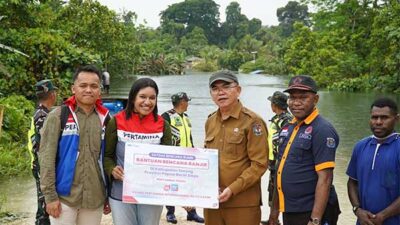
<point>173,28</point>
<point>90,25</point>
<point>210,55</point>
<point>248,44</point>
<point>357,41</point>
<point>291,13</point>
<point>50,54</point>
<point>385,56</point>
<point>254,26</point>
<point>231,60</point>
<point>234,17</point>
<point>129,17</point>
<point>194,13</point>
<point>194,41</point>
<point>237,24</point>
<point>270,54</point>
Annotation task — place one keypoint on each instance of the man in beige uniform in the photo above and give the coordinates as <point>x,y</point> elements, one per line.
<point>71,178</point>
<point>240,135</point>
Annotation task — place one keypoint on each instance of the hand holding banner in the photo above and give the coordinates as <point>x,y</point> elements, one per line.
<point>168,175</point>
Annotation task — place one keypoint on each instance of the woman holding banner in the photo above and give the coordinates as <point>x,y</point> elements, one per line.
<point>139,122</point>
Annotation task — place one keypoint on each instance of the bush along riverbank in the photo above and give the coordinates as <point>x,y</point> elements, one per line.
<point>14,156</point>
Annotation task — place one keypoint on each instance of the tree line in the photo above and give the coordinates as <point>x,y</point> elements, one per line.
<point>350,45</point>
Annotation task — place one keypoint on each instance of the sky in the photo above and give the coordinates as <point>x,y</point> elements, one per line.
<point>149,10</point>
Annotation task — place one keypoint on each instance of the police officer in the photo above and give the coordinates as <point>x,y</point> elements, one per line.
<point>306,159</point>
<point>281,118</point>
<point>181,136</point>
<point>47,97</point>
<point>240,136</point>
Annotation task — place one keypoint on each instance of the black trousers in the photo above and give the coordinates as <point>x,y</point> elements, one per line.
<point>330,217</point>
<point>42,218</point>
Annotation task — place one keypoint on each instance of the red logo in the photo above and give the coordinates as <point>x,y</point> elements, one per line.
<point>297,80</point>
<point>167,187</point>
<point>308,130</point>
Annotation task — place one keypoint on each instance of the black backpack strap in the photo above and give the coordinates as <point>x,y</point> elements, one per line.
<point>63,117</point>
<point>107,119</point>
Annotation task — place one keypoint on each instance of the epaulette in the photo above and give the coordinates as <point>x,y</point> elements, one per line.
<point>249,113</point>
<point>209,115</point>
<point>171,112</point>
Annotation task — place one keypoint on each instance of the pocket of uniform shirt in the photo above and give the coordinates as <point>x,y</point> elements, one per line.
<point>302,150</point>
<point>209,140</point>
<point>234,146</point>
<point>389,179</point>
<point>304,144</point>
<point>96,134</point>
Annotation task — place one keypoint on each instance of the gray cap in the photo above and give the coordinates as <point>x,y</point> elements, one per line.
<point>179,96</point>
<point>44,86</point>
<point>279,99</point>
<point>224,75</point>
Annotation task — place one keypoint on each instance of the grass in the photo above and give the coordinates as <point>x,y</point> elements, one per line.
<point>14,160</point>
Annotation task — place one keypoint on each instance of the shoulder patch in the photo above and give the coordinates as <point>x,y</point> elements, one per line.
<point>257,129</point>
<point>330,142</point>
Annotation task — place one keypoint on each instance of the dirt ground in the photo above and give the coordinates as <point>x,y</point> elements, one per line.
<point>30,206</point>
<point>107,220</point>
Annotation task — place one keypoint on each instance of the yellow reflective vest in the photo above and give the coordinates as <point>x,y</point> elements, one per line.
<point>276,124</point>
<point>181,129</point>
<point>31,136</point>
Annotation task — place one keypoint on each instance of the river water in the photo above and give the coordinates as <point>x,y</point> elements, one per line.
<point>348,112</point>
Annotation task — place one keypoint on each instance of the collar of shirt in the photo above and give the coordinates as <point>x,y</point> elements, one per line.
<point>79,109</point>
<point>40,106</point>
<point>274,118</point>
<point>388,140</point>
<point>71,102</point>
<point>234,112</point>
<point>309,118</point>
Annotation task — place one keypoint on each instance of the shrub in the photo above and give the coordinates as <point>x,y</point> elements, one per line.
<point>14,158</point>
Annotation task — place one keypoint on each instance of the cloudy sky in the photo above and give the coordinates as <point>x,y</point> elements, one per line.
<point>148,10</point>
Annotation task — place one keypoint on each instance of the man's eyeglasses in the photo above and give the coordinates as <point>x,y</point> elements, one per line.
<point>224,88</point>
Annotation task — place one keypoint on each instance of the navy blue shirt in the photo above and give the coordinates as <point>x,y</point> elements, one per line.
<point>305,147</point>
<point>376,167</point>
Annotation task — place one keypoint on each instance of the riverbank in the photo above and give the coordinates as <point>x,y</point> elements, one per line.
<point>107,219</point>
<point>21,201</point>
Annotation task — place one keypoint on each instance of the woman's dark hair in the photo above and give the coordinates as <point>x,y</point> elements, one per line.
<point>136,87</point>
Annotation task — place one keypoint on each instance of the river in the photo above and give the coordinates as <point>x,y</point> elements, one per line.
<point>348,112</point>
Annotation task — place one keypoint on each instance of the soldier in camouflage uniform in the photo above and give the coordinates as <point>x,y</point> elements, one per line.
<point>181,129</point>
<point>47,96</point>
<point>282,117</point>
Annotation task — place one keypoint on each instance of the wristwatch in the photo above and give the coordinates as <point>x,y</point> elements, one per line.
<point>315,221</point>
<point>355,208</point>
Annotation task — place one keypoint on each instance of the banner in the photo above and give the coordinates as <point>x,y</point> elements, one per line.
<point>170,175</point>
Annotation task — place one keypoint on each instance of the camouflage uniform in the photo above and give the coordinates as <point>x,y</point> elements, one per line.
<point>42,218</point>
<point>277,122</point>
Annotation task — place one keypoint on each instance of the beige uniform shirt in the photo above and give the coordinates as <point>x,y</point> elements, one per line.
<point>243,154</point>
<point>87,190</point>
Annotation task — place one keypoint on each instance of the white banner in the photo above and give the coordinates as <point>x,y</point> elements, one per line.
<point>169,175</point>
